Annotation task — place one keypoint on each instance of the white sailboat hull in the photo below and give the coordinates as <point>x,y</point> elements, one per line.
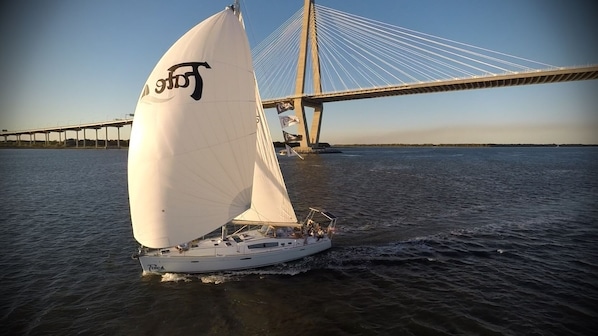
<point>230,255</point>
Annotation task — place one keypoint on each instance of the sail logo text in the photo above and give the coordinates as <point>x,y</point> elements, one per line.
<point>182,80</point>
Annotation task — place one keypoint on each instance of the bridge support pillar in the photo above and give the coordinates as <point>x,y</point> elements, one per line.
<point>96,138</point>
<point>316,125</point>
<point>106,141</point>
<point>308,41</point>
<point>118,136</point>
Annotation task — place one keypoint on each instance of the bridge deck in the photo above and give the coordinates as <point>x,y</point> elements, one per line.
<point>478,82</point>
<point>79,127</point>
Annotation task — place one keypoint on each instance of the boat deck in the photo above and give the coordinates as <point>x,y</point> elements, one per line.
<point>249,242</point>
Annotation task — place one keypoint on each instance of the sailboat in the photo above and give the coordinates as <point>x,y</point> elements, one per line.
<point>205,188</point>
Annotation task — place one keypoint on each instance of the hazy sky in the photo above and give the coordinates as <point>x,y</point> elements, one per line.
<point>67,62</point>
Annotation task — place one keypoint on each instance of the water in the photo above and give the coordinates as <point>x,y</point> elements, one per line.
<point>431,241</point>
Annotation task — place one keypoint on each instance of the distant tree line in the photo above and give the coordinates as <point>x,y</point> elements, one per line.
<point>465,145</point>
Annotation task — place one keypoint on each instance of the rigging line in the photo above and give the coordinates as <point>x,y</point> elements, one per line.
<point>267,72</point>
<point>329,48</point>
<point>283,49</point>
<point>341,61</point>
<point>402,47</point>
<point>459,55</point>
<point>408,58</point>
<point>378,31</point>
<point>288,24</point>
<point>414,59</point>
<point>427,57</point>
<point>338,76</point>
<point>427,70</point>
<point>271,51</point>
<point>344,60</point>
<point>328,79</point>
<point>402,59</point>
<point>274,41</point>
<point>368,42</point>
<point>394,28</point>
<point>365,65</point>
<point>288,73</point>
<point>467,52</point>
<point>269,64</point>
<point>245,14</point>
<point>447,58</point>
<point>376,57</point>
<point>480,48</point>
<point>337,36</point>
<point>274,69</point>
<point>278,52</point>
<point>271,70</point>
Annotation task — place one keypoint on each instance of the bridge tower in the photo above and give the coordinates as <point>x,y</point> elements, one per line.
<point>308,41</point>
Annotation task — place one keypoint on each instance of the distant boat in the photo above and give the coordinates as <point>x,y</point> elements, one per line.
<point>202,164</point>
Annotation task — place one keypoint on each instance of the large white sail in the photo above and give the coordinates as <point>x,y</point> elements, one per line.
<point>192,150</point>
<point>270,201</point>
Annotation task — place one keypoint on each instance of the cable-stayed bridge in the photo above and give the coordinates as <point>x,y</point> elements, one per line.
<point>345,57</point>
<point>321,55</point>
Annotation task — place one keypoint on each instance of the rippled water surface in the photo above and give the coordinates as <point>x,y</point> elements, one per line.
<point>431,241</point>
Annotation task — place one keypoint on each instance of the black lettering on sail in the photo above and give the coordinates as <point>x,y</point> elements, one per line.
<point>182,80</point>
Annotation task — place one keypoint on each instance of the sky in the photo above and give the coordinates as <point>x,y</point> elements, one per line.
<point>67,62</point>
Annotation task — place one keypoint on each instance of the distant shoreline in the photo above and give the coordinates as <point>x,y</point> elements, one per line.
<point>465,145</point>
<point>276,145</point>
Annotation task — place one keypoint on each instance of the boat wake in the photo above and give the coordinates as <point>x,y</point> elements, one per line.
<point>233,276</point>
<point>463,246</point>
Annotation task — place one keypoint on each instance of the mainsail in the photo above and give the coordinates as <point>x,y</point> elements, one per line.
<point>193,143</point>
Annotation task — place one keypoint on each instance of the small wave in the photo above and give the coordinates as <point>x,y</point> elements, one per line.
<point>213,279</point>
<point>282,269</point>
<point>174,277</point>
